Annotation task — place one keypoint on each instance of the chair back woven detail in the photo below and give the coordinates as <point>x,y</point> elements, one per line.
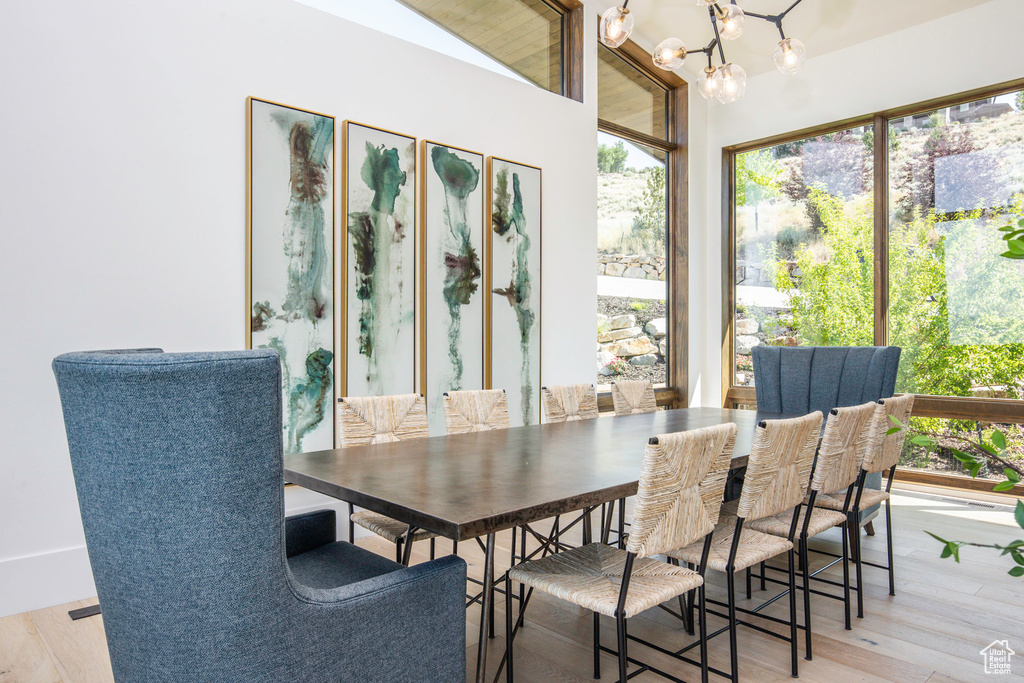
<point>569,402</point>
<point>633,396</point>
<point>847,435</point>
<point>681,488</point>
<point>475,411</point>
<point>368,420</point>
<point>779,467</point>
<point>884,451</point>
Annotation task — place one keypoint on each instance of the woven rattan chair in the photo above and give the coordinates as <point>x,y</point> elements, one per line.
<point>569,402</point>
<point>475,411</point>
<point>836,469</point>
<point>778,472</point>
<point>633,396</point>
<point>364,421</point>
<point>682,483</point>
<point>882,454</point>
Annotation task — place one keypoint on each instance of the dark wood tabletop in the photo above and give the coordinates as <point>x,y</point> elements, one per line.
<point>469,485</point>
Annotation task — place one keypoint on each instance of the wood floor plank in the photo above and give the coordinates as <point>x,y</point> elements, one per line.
<point>79,648</point>
<point>23,656</point>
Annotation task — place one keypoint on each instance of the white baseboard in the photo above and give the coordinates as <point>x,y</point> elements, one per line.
<point>46,579</point>
<point>54,578</point>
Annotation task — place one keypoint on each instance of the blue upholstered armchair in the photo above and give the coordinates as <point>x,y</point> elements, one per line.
<point>177,461</point>
<point>802,379</point>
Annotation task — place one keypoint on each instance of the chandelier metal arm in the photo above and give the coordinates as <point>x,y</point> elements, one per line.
<point>718,39</point>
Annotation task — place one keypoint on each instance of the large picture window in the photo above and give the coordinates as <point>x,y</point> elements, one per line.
<point>886,231</point>
<point>638,185</point>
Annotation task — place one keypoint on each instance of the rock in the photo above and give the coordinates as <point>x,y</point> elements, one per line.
<point>646,359</point>
<point>784,340</point>
<point>657,328</point>
<point>661,276</point>
<point>602,319</point>
<point>632,347</point>
<point>620,322</point>
<point>599,348</point>
<point>647,268</point>
<point>616,335</point>
<point>747,326</point>
<point>600,268</point>
<point>663,347</point>
<point>655,276</point>
<point>614,269</point>
<point>634,272</point>
<point>603,358</point>
<point>746,342</point>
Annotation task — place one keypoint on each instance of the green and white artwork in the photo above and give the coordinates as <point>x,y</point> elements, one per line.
<point>514,282</point>
<point>380,268</point>
<point>453,320</point>
<point>291,262</point>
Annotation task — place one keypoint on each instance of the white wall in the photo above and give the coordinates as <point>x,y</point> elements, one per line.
<point>959,52</point>
<point>122,198</point>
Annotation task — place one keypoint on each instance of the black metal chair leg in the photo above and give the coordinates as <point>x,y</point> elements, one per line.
<point>702,613</point>
<point>455,547</point>
<point>622,523</point>
<point>522,555</point>
<point>734,659</point>
<point>807,599</point>
<point>792,614</point>
<point>509,632</point>
<point>748,583</point>
<point>620,629</point>
<point>855,539</point>
<point>490,625</point>
<point>846,576</point>
<point>597,645</point>
<point>433,548</point>
<point>351,525</point>
<point>398,551</point>
<point>888,540</point>
<point>762,576</point>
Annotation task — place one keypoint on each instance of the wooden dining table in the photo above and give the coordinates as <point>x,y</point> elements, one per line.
<point>474,485</point>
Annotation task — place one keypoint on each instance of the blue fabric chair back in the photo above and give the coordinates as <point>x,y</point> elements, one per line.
<point>802,379</point>
<point>178,465</point>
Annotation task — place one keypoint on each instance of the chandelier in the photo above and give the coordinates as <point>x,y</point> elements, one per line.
<point>726,82</point>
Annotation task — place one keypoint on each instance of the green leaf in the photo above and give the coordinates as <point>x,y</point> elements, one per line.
<point>999,440</point>
<point>1017,557</point>
<point>1021,222</point>
<point>1010,254</point>
<point>1016,571</point>
<point>1011,474</point>
<point>921,440</point>
<point>1018,514</point>
<point>896,422</point>
<point>988,449</point>
<point>893,430</point>
<point>965,458</point>
<point>1006,228</point>
<point>1016,246</point>
<point>1003,486</point>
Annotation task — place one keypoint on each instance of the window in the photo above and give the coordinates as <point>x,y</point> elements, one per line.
<point>527,36</point>
<point>635,194</point>
<point>887,232</point>
<point>804,245</point>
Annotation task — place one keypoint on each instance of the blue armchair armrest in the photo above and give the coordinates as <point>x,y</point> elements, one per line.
<point>309,530</point>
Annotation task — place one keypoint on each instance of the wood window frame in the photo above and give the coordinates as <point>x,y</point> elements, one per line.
<point>676,146</point>
<point>947,407</point>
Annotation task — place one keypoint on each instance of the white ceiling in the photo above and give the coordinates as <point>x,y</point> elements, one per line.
<point>822,25</point>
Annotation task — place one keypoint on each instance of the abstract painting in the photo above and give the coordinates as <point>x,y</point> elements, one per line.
<point>290,278</point>
<point>379,267</point>
<point>513,280</point>
<point>452,303</point>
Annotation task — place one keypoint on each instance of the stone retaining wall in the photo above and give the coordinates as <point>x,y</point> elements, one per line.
<point>621,337</point>
<point>631,265</point>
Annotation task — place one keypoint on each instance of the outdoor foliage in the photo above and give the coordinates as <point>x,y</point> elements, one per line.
<point>612,158</point>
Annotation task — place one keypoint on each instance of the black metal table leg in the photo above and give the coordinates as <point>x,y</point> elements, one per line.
<point>485,611</point>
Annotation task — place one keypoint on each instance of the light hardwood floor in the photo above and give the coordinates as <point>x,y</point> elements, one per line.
<point>933,630</point>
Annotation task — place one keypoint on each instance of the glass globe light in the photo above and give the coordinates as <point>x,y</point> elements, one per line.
<point>616,25</point>
<point>706,83</point>
<point>706,3</point>
<point>730,83</point>
<point>730,22</point>
<point>669,54</point>
<point>790,55</point>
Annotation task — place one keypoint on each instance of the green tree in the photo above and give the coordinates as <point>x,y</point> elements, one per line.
<point>649,223</point>
<point>757,180</point>
<point>612,158</point>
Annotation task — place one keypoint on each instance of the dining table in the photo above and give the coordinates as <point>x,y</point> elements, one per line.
<point>471,486</point>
